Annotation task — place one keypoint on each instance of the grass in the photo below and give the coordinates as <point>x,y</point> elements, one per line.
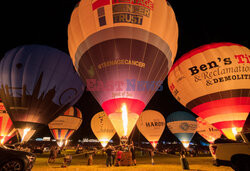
<point>162,163</point>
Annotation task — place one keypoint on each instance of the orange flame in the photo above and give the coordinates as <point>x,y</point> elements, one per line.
<point>125,119</point>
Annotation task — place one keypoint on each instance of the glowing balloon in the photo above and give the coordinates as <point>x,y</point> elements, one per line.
<point>151,124</point>
<point>7,130</point>
<point>102,128</point>
<point>123,50</point>
<point>207,131</point>
<point>64,126</point>
<point>37,84</point>
<point>213,82</point>
<point>183,125</point>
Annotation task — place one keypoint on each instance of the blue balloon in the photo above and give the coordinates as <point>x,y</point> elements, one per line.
<point>183,125</point>
<point>37,84</point>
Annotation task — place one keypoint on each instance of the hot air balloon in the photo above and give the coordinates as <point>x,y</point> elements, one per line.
<point>151,124</point>
<point>7,130</point>
<point>65,125</point>
<point>37,84</point>
<point>183,125</point>
<point>207,131</point>
<point>102,128</point>
<point>213,82</point>
<point>123,51</point>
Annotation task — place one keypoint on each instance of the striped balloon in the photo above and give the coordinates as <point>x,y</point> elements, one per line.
<point>65,125</point>
<point>183,125</point>
<point>7,130</point>
<point>213,82</point>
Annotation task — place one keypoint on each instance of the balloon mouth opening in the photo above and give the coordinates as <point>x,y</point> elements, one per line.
<point>104,142</point>
<point>185,144</point>
<point>154,143</point>
<point>2,140</point>
<point>123,113</point>
<point>25,132</point>
<point>234,130</point>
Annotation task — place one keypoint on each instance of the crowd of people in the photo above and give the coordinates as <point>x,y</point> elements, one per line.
<point>124,154</point>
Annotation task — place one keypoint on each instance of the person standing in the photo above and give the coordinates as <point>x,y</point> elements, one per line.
<point>113,155</point>
<point>119,156</point>
<point>152,153</point>
<point>132,150</point>
<point>109,156</point>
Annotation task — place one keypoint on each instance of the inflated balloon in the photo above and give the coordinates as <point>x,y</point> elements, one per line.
<point>37,84</point>
<point>213,82</point>
<point>102,128</point>
<point>151,124</point>
<point>183,125</point>
<point>123,50</point>
<point>207,131</point>
<point>7,130</point>
<point>65,125</point>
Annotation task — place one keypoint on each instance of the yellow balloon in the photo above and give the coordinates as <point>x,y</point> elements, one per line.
<point>151,124</point>
<point>102,128</point>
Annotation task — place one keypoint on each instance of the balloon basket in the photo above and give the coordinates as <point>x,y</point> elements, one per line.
<point>124,140</point>
<point>126,159</point>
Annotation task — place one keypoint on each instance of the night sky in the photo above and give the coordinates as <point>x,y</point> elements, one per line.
<point>200,22</point>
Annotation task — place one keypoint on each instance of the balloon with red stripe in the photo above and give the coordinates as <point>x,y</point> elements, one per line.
<point>213,81</point>
<point>151,124</point>
<point>66,124</point>
<point>123,51</point>
<point>7,130</point>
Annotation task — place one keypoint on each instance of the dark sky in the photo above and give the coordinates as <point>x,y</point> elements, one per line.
<point>200,22</point>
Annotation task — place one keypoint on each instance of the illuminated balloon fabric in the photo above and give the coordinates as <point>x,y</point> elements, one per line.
<point>117,46</point>
<point>102,128</point>
<point>65,125</point>
<point>151,124</point>
<point>183,125</point>
<point>37,83</point>
<point>207,131</point>
<point>7,130</point>
<point>213,82</point>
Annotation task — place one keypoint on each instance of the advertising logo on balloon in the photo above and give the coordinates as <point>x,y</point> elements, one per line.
<point>124,11</point>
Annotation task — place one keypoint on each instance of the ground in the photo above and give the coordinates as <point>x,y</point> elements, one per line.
<point>162,163</point>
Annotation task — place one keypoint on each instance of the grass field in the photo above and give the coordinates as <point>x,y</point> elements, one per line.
<point>162,163</point>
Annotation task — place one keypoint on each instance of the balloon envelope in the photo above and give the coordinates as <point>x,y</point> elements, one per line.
<point>213,82</point>
<point>151,124</point>
<point>123,51</point>
<point>102,128</point>
<point>207,131</point>
<point>183,125</point>
<point>64,126</point>
<point>7,130</point>
<point>37,84</point>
